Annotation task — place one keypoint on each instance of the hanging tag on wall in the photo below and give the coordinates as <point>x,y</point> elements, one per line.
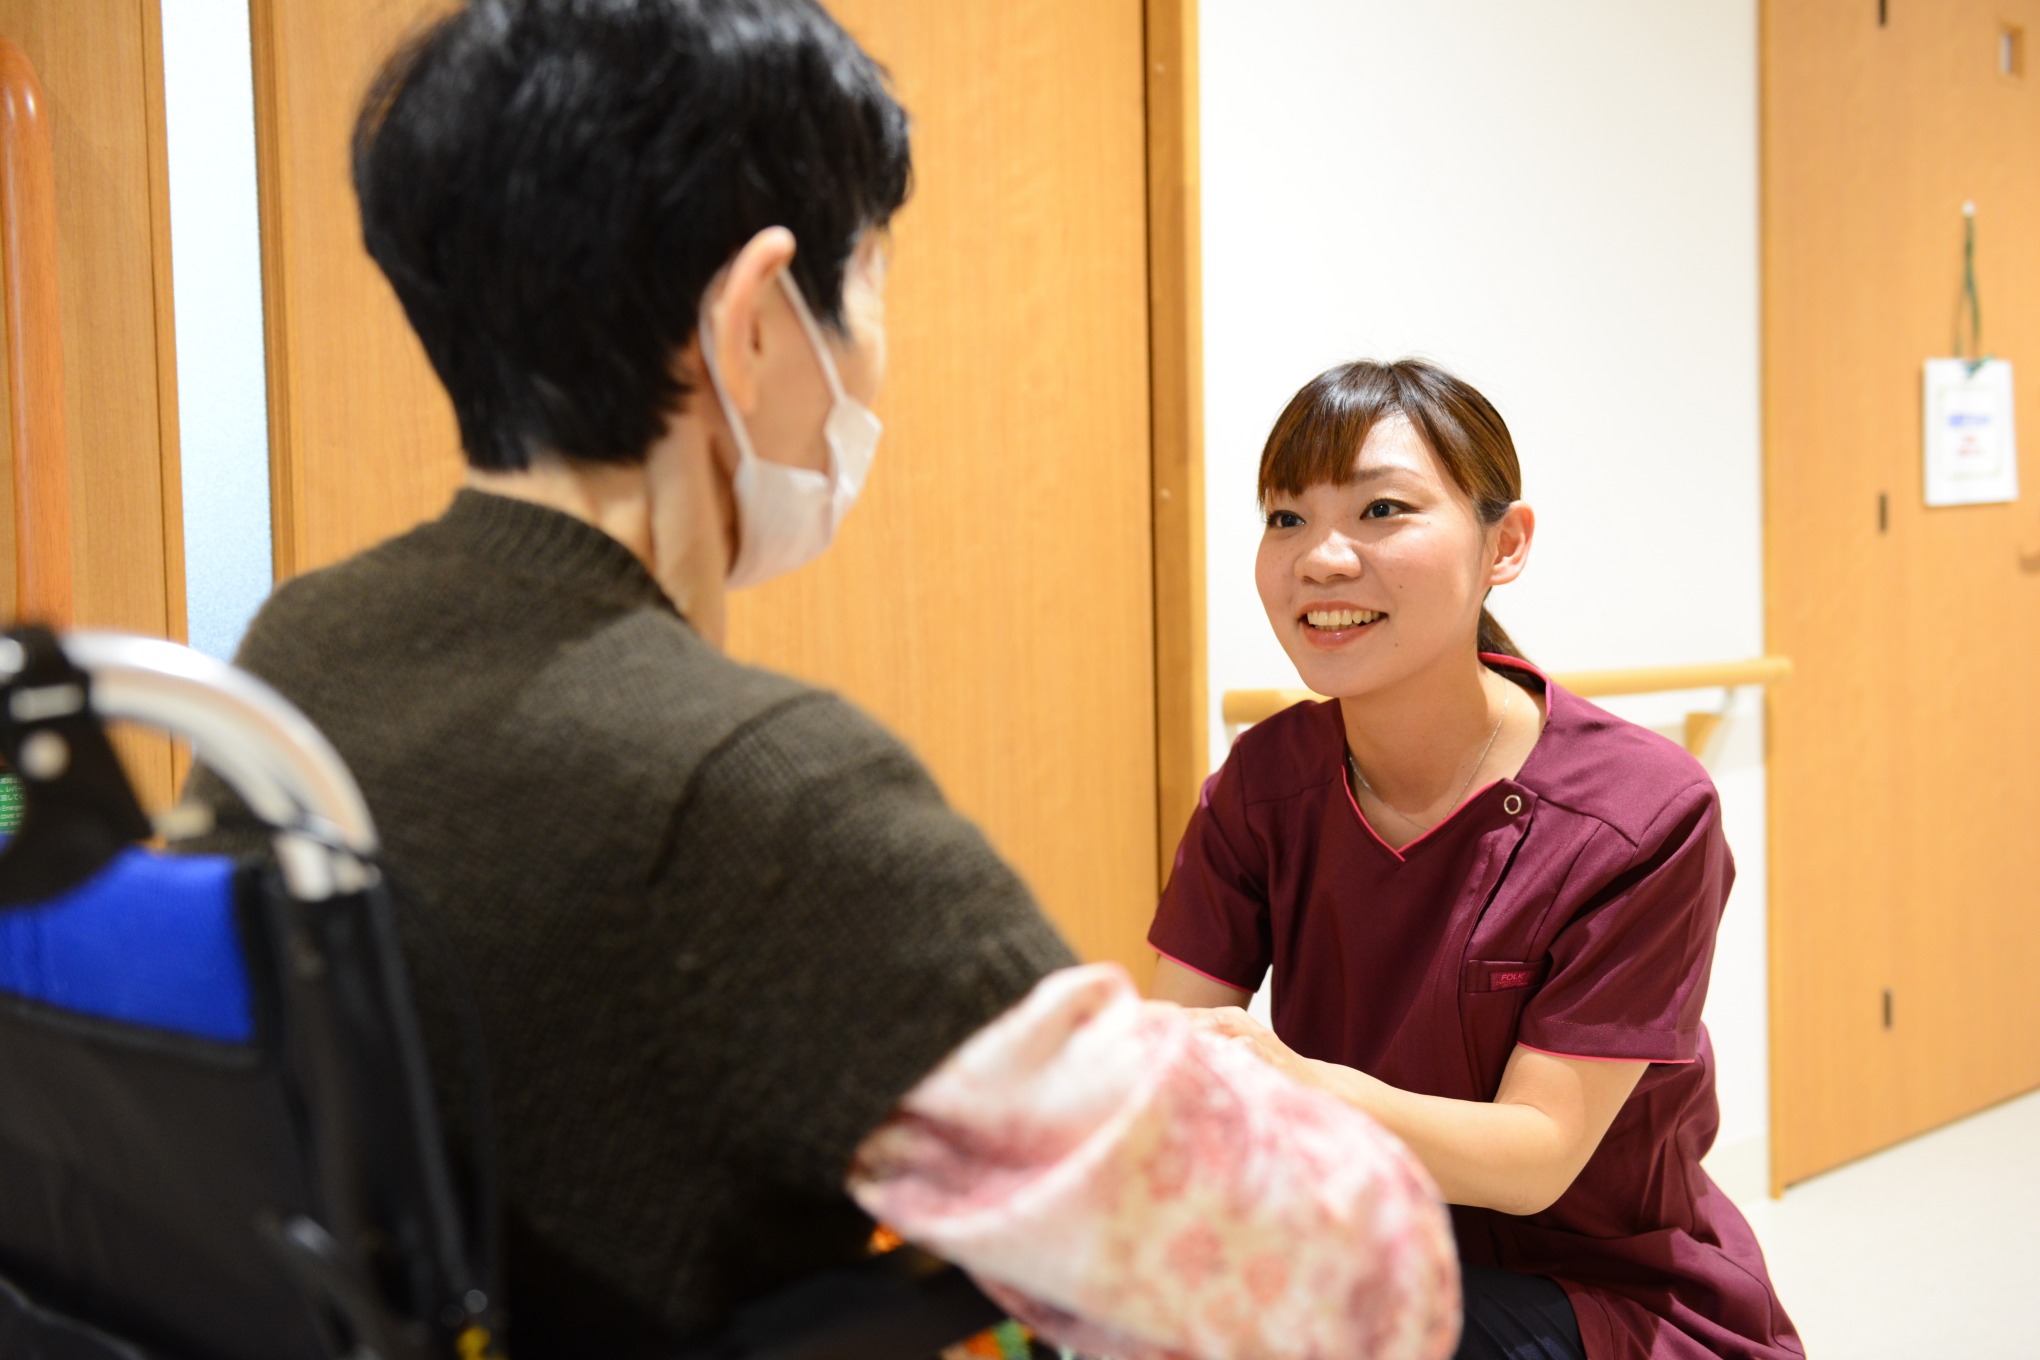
<point>1972,454</point>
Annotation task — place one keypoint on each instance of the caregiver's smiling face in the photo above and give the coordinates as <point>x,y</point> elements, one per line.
<point>1376,578</point>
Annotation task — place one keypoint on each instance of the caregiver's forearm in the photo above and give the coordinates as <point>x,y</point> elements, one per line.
<point>1511,1157</point>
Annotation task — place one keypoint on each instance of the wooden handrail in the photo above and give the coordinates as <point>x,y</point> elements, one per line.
<point>1243,706</point>
<point>34,346</point>
<point>1761,670</point>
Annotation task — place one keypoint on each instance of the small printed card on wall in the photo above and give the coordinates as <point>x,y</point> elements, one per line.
<point>1972,455</point>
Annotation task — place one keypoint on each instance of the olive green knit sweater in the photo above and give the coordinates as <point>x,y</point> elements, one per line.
<point>717,922</point>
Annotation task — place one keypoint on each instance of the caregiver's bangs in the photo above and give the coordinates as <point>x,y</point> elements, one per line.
<point>1319,434</point>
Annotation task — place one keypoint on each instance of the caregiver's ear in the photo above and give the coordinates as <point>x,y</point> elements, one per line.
<point>1513,532</point>
<point>735,310</point>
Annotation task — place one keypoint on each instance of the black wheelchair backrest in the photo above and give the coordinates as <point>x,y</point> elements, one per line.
<point>218,1139</point>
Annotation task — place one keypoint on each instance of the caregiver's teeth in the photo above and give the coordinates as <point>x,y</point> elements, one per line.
<point>1340,618</point>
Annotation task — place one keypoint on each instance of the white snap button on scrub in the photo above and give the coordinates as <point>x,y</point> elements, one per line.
<point>1513,804</point>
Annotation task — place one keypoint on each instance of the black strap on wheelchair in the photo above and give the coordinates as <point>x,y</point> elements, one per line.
<point>483,1239</point>
<point>80,810</point>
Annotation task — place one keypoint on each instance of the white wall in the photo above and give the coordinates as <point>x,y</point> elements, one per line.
<point>216,272</point>
<point>1559,202</point>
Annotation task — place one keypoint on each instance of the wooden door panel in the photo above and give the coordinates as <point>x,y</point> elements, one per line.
<point>362,437</point>
<point>992,595</point>
<point>100,64</point>
<point>1901,857</point>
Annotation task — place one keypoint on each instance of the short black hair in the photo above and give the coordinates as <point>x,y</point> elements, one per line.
<point>550,185</point>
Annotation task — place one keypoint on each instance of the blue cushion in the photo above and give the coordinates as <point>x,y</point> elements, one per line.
<point>150,941</point>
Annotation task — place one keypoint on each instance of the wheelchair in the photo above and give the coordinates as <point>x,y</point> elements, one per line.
<point>218,1131</point>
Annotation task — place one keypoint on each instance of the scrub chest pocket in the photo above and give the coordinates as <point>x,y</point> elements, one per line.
<point>1492,995</point>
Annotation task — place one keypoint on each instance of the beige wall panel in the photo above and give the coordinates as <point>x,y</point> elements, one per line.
<point>992,595</point>
<point>1902,854</point>
<point>95,59</point>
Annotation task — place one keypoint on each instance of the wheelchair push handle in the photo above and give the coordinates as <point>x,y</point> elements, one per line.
<point>287,773</point>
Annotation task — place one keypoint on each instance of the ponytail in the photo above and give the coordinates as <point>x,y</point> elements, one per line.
<point>1495,640</point>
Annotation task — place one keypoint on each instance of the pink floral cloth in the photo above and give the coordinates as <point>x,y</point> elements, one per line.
<point>1131,1187</point>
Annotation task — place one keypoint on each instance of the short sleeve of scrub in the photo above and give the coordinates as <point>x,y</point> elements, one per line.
<point>1213,916</point>
<point>1629,972</point>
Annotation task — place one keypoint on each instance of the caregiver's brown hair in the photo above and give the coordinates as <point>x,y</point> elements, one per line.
<point>1319,433</point>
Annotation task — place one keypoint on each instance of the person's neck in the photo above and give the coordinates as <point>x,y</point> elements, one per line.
<point>670,511</point>
<point>612,497</point>
<point>1415,740</point>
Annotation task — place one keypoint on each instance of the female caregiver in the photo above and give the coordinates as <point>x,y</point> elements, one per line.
<point>1489,906</point>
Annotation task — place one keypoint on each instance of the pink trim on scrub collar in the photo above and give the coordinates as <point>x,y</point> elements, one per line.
<point>1516,663</point>
<point>1402,856</point>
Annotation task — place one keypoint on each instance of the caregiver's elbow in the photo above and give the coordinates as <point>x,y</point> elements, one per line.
<point>1544,1165</point>
<point>1525,1199</point>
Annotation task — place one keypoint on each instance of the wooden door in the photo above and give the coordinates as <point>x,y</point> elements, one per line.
<point>100,66</point>
<point>994,598</point>
<point>362,437</point>
<point>1902,854</point>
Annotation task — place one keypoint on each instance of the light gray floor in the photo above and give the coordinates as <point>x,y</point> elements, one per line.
<point>1929,1249</point>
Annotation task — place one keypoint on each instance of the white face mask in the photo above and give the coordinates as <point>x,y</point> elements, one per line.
<point>787,516</point>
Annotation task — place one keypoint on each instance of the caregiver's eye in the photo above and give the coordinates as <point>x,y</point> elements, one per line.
<point>1283,519</point>
<point>1383,509</point>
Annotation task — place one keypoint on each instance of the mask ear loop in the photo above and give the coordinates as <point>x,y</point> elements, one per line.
<point>814,334</point>
<point>734,419</point>
<point>815,338</point>
<point>863,427</point>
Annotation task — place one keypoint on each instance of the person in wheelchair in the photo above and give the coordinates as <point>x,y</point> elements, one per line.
<point>744,980</point>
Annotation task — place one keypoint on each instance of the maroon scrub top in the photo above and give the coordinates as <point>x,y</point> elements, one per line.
<point>1571,909</point>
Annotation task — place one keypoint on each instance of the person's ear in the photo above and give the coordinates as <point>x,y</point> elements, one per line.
<point>735,312</point>
<point>1513,533</point>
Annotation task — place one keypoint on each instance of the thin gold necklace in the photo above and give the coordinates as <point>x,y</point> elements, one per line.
<point>1480,760</point>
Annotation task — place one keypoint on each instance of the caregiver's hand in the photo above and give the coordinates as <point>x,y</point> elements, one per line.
<point>1355,1087</point>
<point>1230,1022</point>
<point>1517,1153</point>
